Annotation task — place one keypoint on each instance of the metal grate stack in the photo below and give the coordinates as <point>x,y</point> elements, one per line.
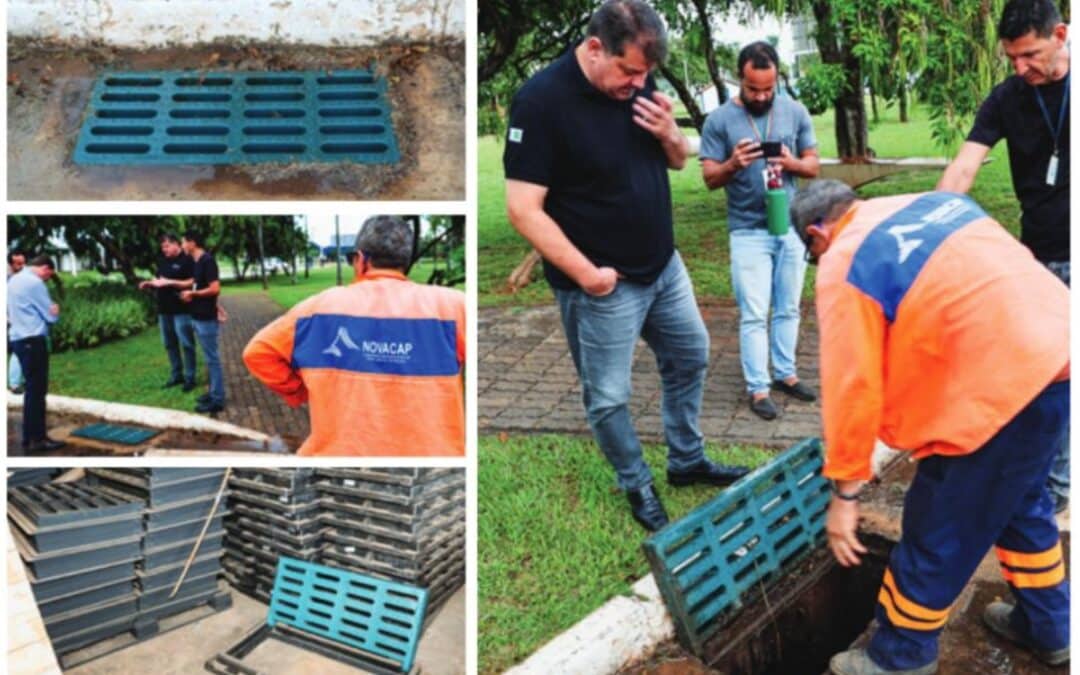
<point>275,512</point>
<point>80,544</point>
<point>178,502</point>
<point>401,524</point>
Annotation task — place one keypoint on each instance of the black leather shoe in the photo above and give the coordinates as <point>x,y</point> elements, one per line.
<point>188,386</point>
<point>707,473</point>
<point>763,408</point>
<point>647,509</point>
<point>797,390</point>
<point>203,398</point>
<point>209,407</point>
<point>43,445</point>
<point>171,383</point>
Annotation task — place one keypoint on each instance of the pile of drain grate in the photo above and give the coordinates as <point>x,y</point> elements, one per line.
<point>196,117</point>
<point>178,503</point>
<point>275,512</point>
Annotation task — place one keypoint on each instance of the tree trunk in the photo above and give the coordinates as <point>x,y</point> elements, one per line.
<point>834,47</point>
<point>710,53</point>
<point>873,106</point>
<point>697,118</point>
<point>522,274</point>
<point>903,96</point>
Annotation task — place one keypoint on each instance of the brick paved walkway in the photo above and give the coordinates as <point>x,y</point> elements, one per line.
<point>248,402</point>
<point>527,382</point>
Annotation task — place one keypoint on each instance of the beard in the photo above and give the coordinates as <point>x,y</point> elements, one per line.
<point>757,109</point>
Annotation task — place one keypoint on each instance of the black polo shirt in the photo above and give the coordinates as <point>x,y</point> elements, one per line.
<point>178,267</point>
<point>206,272</point>
<point>1012,112</point>
<point>607,177</point>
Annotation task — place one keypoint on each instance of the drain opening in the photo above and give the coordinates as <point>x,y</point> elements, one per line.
<point>278,148</point>
<point>198,131</point>
<point>346,79</point>
<point>133,82</point>
<point>352,129</point>
<point>195,148</point>
<point>121,114</point>
<point>273,81</point>
<point>274,131</point>
<point>335,148</point>
<point>121,131</point>
<point>201,98</point>
<point>130,98</point>
<point>195,113</point>
<point>348,95</point>
<point>270,113</point>
<point>275,96</point>
<point>204,81</point>
<point>348,112</point>
<point>118,148</point>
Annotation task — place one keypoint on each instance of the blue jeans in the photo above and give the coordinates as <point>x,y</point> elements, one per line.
<point>767,270</point>
<point>602,333</point>
<point>1059,472</point>
<point>207,333</point>
<point>178,335</point>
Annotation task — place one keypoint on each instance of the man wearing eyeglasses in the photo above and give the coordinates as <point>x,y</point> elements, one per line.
<point>942,335</point>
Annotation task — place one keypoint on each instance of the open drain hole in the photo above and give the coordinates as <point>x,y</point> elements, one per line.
<point>195,148</point>
<point>197,131</point>
<point>118,148</point>
<point>196,113</point>
<point>346,79</point>
<point>352,129</point>
<point>130,98</point>
<point>275,96</point>
<point>204,81</point>
<point>349,112</point>
<point>273,148</point>
<point>273,113</point>
<point>121,131</point>
<point>274,131</point>
<point>816,610</point>
<point>348,95</point>
<point>133,82</point>
<point>201,97</point>
<point>336,148</point>
<point>273,81</point>
<point>121,114</point>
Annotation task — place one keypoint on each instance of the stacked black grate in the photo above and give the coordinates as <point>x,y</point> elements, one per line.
<point>178,504</point>
<point>80,544</point>
<point>400,524</point>
<point>274,512</point>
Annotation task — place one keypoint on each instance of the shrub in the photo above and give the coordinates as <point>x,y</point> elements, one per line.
<point>93,313</point>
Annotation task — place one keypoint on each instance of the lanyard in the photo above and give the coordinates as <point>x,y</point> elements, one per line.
<point>768,125</point>
<point>1056,131</point>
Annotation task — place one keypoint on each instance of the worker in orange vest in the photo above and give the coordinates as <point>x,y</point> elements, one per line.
<point>378,361</point>
<point>941,334</point>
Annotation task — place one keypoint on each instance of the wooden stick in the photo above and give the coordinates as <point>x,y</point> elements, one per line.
<point>206,526</point>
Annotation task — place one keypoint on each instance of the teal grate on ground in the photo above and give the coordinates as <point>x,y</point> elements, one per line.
<point>383,618</point>
<point>116,433</point>
<point>235,117</point>
<point>706,562</point>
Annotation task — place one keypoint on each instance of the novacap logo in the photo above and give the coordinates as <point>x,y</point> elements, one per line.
<point>387,348</point>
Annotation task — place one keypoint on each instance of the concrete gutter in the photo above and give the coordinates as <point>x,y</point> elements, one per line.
<point>158,418</point>
<point>625,629</point>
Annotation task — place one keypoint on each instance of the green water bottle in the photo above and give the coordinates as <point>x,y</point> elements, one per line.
<point>776,211</point>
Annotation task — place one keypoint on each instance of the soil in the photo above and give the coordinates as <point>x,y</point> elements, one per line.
<point>49,85</point>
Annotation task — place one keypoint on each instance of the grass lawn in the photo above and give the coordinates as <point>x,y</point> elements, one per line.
<point>556,540</point>
<point>700,216</point>
<point>91,373</point>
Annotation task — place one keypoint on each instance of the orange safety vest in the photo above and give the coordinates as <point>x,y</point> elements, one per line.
<point>379,362</point>
<point>936,328</point>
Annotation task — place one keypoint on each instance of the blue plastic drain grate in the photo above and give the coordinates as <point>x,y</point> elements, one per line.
<point>195,117</point>
<point>116,433</point>
<point>705,563</point>
<point>383,618</point>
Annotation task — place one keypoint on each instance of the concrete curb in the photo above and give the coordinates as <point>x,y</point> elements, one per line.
<point>158,418</point>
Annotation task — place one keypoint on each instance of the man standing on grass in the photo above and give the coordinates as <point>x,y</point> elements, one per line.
<point>942,335</point>
<point>202,304</point>
<point>30,313</point>
<point>175,273</point>
<point>589,145</point>
<point>16,262</point>
<point>378,361</point>
<point>767,270</point>
<point>1030,111</point>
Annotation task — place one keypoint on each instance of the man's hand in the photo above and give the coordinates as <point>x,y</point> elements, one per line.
<point>601,282</point>
<point>784,161</point>
<point>840,525</point>
<point>54,309</point>
<point>746,153</point>
<point>187,296</point>
<point>657,118</point>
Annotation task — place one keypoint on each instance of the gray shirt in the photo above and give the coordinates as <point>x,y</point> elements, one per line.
<point>727,125</point>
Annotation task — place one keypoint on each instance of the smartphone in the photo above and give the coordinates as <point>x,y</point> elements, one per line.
<point>771,148</point>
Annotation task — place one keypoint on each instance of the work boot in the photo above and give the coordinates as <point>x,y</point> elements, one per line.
<point>858,662</point>
<point>647,509</point>
<point>707,473</point>
<point>997,615</point>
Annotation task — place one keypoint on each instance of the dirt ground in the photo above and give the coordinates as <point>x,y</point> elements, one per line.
<point>186,649</point>
<point>49,85</point>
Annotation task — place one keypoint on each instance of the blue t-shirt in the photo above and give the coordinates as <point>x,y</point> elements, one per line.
<point>729,124</point>
<point>28,306</point>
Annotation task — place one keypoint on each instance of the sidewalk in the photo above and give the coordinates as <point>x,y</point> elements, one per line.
<point>527,383</point>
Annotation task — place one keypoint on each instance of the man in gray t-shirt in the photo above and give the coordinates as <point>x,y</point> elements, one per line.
<point>765,269</point>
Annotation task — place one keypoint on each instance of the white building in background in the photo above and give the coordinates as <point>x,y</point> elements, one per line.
<point>804,49</point>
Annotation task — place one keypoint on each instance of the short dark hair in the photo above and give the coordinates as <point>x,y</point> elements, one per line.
<point>43,261</point>
<point>169,236</point>
<point>387,242</point>
<point>761,56</point>
<point>1020,17</point>
<point>195,236</point>
<point>619,22</point>
<point>11,255</point>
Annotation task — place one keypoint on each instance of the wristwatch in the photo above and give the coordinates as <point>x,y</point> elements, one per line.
<point>846,496</point>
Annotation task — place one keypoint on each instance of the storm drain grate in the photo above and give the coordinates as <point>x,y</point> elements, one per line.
<point>189,117</point>
<point>707,563</point>
<point>116,433</point>
<point>382,618</point>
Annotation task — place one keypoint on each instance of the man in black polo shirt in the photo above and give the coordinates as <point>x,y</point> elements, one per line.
<point>174,274</point>
<point>1030,111</point>
<point>589,144</point>
<point>202,304</point>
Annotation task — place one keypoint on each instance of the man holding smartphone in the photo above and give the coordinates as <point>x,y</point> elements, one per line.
<point>749,145</point>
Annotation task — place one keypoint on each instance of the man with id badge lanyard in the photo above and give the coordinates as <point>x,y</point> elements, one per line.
<point>1030,111</point>
<point>754,147</point>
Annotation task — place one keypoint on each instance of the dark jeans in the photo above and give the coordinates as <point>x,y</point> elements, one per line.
<point>33,356</point>
<point>179,337</point>
<point>1059,473</point>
